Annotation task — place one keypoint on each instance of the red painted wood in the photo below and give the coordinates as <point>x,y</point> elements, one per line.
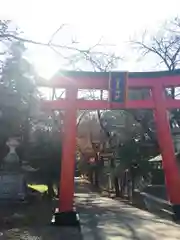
<point>66,193</point>
<point>103,82</point>
<point>170,167</point>
<point>171,103</point>
<point>71,104</point>
<point>168,81</point>
<point>97,104</point>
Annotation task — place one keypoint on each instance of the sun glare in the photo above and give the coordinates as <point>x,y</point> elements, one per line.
<point>116,23</point>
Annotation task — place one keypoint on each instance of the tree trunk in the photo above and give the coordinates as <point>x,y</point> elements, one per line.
<point>133,187</point>
<point>116,185</point>
<point>173,92</point>
<point>96,171</point>
<point>123,183</point>
<point>133,172</point>
<point>57,188</point>
<point>90,176</point>
<point>96,177</point>
<point>50,190</point>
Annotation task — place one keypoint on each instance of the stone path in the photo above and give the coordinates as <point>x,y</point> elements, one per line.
<point>107,219</point>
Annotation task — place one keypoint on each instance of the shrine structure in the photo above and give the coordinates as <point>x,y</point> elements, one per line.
<point>118,84</point>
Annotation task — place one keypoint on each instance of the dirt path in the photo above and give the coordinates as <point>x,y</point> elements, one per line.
<point>107,219</point>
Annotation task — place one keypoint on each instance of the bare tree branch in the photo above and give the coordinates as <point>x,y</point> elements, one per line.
<point>55,33</point>
<point>81,117</point>
<point>166,45</point>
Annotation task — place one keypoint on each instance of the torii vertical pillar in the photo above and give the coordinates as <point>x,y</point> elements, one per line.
<point>66,214</point>
<point>171,172</point>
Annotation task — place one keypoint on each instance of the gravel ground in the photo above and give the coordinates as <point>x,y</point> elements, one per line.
<point>32,222</point>
<point>41,233</point>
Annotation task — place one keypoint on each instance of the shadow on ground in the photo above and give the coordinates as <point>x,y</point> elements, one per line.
<point>31,221</point>
<point>103,218</point>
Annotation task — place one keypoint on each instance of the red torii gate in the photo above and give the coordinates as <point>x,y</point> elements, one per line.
<point>157,82</point>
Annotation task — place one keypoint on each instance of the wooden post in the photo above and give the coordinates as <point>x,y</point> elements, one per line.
<point>169,163</point>
<point>66,193</point>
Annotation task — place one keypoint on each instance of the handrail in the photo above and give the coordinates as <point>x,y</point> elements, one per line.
<point>155,198</point>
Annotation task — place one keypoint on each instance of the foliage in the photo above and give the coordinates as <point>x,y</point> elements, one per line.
<point>45,156</point>
<point>20,115</point>
<point>165,46</point>
<point>133,152</point>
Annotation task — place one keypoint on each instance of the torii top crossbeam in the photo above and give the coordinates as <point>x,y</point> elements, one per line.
<point>100,80</point>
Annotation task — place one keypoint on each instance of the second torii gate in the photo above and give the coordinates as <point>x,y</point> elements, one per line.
<point>156,82</point>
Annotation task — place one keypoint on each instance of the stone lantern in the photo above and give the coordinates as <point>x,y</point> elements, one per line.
<point>12,180</point>
<point>11,162</point>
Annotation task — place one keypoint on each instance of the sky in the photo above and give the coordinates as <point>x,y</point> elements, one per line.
<point>87,21</point>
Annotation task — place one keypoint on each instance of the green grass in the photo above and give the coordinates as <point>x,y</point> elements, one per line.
<point>38,187</point>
